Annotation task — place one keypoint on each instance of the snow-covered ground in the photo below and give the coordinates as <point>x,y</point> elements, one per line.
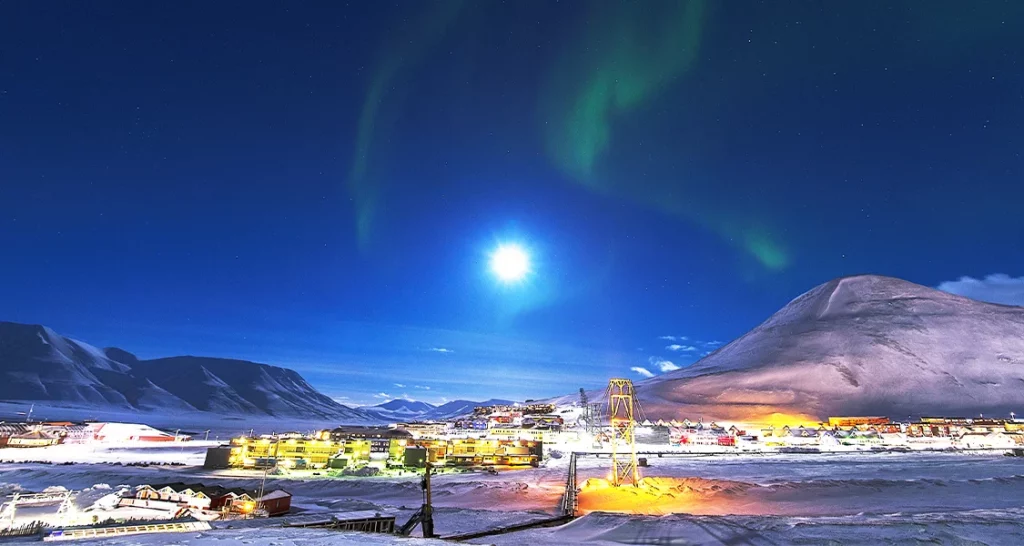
<point>196,423</point>
<point>183,453</point>
<point>756,499</point>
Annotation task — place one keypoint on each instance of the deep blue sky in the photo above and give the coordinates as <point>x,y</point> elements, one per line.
<point>319,185</point>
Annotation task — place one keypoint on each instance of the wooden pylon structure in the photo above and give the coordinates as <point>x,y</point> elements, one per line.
<point>622,413</point>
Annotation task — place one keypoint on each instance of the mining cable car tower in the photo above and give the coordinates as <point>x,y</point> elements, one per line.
<point>623,411</point>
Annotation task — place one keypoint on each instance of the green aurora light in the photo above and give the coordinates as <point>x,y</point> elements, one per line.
<point>412,42</point>
<point>629,57</point>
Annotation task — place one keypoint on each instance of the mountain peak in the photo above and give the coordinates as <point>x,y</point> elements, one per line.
<point>402,403</point>
<point>37,364</point>
<point>864,344</point>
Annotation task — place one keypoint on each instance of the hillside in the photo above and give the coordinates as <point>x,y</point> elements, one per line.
<point>37,364</point>
<point>858,345</point>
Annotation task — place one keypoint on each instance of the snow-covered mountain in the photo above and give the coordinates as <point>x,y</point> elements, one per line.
<point>460,408</point>
<point>37,364</point>
<point>863,345</point>
<point>400,409</point>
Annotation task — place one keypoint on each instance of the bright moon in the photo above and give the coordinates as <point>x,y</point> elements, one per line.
<point>510,263</point>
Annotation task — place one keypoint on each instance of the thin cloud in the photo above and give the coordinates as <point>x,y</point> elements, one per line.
<point>382,395</point>
<point>424,387</point>
<point>642,371</point>
<point>995,288</point>
<point>663,365</point>
<point>444,350</point>
<point>685,348</point>
<point>673,338</point>
<point>399,385</point>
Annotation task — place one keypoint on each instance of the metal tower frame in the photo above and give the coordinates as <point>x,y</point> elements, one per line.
<point>591,413</point>
<point>622,416</point>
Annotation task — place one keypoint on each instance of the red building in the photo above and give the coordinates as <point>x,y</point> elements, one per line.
<point>276,502</point>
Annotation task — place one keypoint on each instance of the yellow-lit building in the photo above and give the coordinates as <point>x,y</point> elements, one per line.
<point>473,452</point>
<point>381,452</point>
<point>846,422</point>
<point>293,452</point>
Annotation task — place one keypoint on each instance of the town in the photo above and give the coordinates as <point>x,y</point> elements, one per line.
<point>523,435</point>
<point>510,437</point>
<point>491,439</point>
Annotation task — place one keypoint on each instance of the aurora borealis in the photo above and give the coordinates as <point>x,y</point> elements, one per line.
<point>322,185</point>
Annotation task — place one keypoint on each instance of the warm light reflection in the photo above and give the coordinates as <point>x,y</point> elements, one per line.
<point>660,495</point>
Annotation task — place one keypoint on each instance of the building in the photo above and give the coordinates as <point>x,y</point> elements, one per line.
<point>11,429</point>
<point>845,422</point>
<point>545,435</point>
<point>35,438</point>
<point>68,432</point>
<point>426,429</point>
<point>383,443</point>
<point>475,424</point>
<point>292,452</point>
<point>702,435</point>
<point>191,496</point>
<point>129,433</point>
<point>415,457</point>
<point>218,458</point>
<point>487,452</point>
<point>802,436</point>
<point>857,437</point>
<point>275,503</point>
<point>308,453</point>
<point>524,409</point>
<point>343,433</point>
<point>549,422</point>
<point>199,497</point>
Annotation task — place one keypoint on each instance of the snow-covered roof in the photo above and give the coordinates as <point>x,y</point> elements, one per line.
<point>276,494</point>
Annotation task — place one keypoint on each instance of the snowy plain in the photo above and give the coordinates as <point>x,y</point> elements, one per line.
<point>876,498</point>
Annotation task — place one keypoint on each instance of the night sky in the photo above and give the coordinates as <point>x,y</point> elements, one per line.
<point>319,185</point>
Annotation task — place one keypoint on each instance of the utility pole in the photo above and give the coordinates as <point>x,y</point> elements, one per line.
<point>428,507</point>
<point>263,489</point>
<point>588,417</point>
<point>425,515</point>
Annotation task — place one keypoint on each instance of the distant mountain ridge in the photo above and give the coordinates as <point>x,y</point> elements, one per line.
<point>862,345</point>
<point>37,364</point>
<point>461,408</point>
<point>400,409</point>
